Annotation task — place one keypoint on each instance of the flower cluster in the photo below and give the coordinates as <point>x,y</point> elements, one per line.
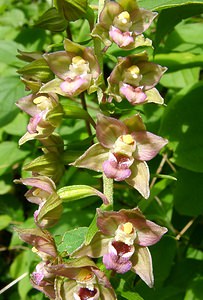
<point>121,152</point>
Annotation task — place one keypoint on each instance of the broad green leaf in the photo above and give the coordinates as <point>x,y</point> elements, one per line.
<point>24,286</point>
<point>182,125</point>
<point>4,221</point>
<point>168,18</point>
<point>188,193</point>
<point>194,253</point>
<point>185,37</point>
<point>76,192</point>
<point>131,295</point>
<point>177,61</point>
<point>5,187</point>
<point>92,230</point>
<point>9,155</point>
<point>14,17</point>
<point>8,52</point>
<point>72,239</point>
<point>11,89</point>
<point>180,79</point>
<point>195,290</point>
<point>166,247</point>
<point>163,4</point>
<point>18,125</point>
<point>21,263</point>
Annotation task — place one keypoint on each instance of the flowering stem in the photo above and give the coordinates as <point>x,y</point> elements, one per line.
<point>108,188</point>
<point>97,42</point>
<point>84,106</point>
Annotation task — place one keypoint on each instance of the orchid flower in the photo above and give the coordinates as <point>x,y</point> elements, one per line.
<point>77,70</point>
<point>122,151</point>
<point>123,23</point>
<point>41,107</point>
<point>134,78</point>
<point>122,240</point>
<point>43,193</point>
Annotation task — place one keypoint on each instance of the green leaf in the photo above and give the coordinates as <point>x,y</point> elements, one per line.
<point>22,263</point>
<point>180,79</point>
<point>5,187</point>
<point>72,240</point>
<point>166,247</point>
<point>9,155</point>
<point>131,295</point>
<point>168,18</point>
<point>177,61</point>
<point>18,126</point>
<point>4,221</point>
<point>24,286</point>
<point>186,37</point>
<point>10,90</point>
<point>184,112</point>
<point>163,4</point>
<point>92,230</point>
<point>188,193</point>
<point>76,192</point>
<point>195,290</point>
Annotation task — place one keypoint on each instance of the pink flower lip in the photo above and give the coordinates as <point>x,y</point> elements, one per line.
<point>118,257</point>
<point>122,39</point>
<point>134,95</point>
<point>117,167</point>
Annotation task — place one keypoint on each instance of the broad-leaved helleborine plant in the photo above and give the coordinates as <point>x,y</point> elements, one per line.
<point>60,82</point>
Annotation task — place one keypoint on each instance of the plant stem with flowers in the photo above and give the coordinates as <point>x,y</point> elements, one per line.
<point>122,149</point>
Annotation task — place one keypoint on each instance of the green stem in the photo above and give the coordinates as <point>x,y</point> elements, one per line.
<point>108,189</point>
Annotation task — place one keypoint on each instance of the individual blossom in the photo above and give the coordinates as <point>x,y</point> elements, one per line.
<point>123,23</point>
<point>134,78</point>
<point>82,280</point>
<point>77,70</point>
<point>44,246</point>
<point>122,151</point>
<point>122,240</point>
<point>46,114</point>
<point>43,193</point>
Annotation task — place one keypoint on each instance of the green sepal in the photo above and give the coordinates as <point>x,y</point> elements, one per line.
<point>37,70</point>
<point>52,21</point>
